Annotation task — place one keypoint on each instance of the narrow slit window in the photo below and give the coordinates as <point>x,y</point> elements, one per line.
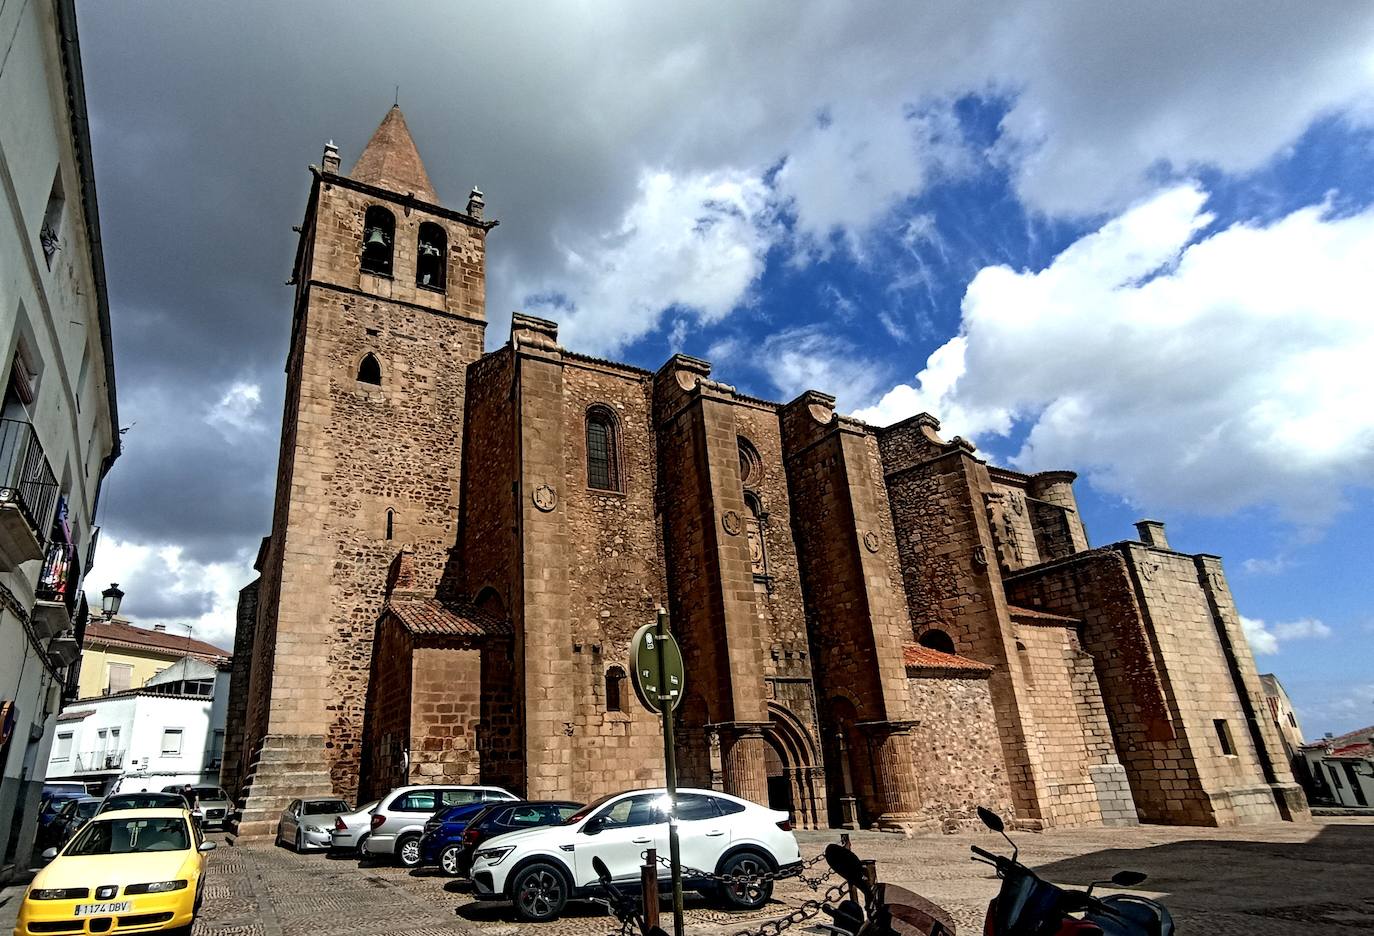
<point>390,523</point>
<point>603,471</point>
<point>1224,736</point>
<point>615,689</point>
<point>370,371</point>
<point>430,253</point>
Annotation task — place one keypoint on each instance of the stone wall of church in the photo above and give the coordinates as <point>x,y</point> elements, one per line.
<point>231,766</point>
<point>486,554</point>
<point>955,746</point>
<point>388,724</point>
<point>445,712</point>
<point>617,580</point>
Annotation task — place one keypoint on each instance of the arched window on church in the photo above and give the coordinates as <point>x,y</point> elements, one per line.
<point>430,252</point>
<point>603,450</point>
<point>370,371</point>
<point>750,465</point>
<point>379,240</point>
<point>615,689</point>
<point>936,640</point>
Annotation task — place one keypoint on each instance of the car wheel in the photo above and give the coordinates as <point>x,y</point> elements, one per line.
<point>539,893</point>
<point>362,840</point>
<point>299,844</point>
<point>448,860</point>
<point>745,896</point>
<point>280,841</point>
<point>408,851</point>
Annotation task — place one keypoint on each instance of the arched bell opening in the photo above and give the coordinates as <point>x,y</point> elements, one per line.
<point>379,241</point>
<point>431,250</point>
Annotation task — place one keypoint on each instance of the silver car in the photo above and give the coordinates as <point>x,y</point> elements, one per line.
<point>351,828</point>
<point>213,803</point>
<point>307,823</point>
<point>399,820</point>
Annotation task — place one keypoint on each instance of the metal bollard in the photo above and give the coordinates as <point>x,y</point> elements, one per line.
<point>648,885</point>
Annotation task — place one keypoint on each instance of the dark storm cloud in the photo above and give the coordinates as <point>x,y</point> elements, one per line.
<point>204,116</point>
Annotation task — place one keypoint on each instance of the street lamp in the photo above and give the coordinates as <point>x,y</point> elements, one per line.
<point>110,599</point>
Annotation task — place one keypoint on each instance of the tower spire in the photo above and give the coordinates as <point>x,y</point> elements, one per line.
<point>391,161</point>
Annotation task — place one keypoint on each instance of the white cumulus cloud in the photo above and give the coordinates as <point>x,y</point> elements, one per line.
<point>1265,638</point>
<point>1207,375</point>
<point>237,410</point>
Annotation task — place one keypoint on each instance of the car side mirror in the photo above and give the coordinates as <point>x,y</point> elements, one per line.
<point>206,847</point>
<point>593,825</point>
<point>49,854</point>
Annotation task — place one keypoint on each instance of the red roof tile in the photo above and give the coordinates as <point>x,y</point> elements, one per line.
<point>1351,744</point>
<point>918,657</point>
<point>430,617</point>
<point>122,634</point>
<point>1036,616</point>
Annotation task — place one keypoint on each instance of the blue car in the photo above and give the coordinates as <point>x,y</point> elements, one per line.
<point>446,828</point>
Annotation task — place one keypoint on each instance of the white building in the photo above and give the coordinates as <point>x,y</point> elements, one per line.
<point>1344,768</point>
<point>170,731</point>
<point>57,420</point>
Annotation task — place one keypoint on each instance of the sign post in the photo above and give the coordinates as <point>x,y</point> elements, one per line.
<point>659,681</point>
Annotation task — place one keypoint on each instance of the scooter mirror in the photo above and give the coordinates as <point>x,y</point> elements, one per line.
<point>847,865</point>
<point>990,819</point>
<point>603,873</point>
<point>1128,878</point>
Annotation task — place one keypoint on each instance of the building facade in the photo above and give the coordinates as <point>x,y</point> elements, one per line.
<point>117,655</point>
<point>1341,769</point>
<point>169,731</point>
<point>879,628</point>
<point>57,427</point>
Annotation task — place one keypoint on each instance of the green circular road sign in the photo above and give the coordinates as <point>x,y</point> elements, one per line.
<point>645,652</point>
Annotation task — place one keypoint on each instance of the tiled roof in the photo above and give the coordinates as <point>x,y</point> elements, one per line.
<point>391,161</point>
<point>429,617</point>
<point>923,658</point>
<point>1036,616</point>
<point>75,714</point>
<point>1351,744</point>
<point>121,634</point>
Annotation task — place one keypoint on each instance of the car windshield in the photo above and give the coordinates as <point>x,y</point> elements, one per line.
<point>587,810</point>
<point>130,836</point>
<point>320,807</point>
<point>208,793</point>
<point>87,808</point>
<point>143,801</point>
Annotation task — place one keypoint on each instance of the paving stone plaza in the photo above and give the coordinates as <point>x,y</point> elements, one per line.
<point>1263,879</point>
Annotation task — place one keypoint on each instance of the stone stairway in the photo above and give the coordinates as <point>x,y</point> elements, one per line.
<point>284,768</point>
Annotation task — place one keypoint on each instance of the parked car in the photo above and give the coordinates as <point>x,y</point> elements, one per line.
<point>540,870</point>
<point>53,788</point>
<point>446,827</point>
<point>53,798</point>
<point>144,801</point>
<point>351,829</point>
<point>454,856</point>
<point>399,820</point>
<point>214,804</point>
<point>71,817</point>
<point>306,823</point>
<point>146,865</point>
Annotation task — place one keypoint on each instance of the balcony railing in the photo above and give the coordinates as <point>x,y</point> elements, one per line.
<point>56,581</point>
<point>99,760</point>
<point>26,480</point>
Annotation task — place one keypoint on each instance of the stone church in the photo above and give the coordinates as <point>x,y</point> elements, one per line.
<point>880,628</point>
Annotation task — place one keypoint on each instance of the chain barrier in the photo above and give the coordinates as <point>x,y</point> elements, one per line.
<point>808,910</point>
<point>795,871</point>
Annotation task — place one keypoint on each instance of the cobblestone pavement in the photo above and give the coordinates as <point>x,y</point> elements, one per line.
<point>1261,880</point>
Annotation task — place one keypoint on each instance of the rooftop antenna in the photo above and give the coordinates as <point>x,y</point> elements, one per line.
<point>397,102</point>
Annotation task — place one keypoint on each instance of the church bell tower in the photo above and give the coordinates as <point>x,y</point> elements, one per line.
<point>389,311</point>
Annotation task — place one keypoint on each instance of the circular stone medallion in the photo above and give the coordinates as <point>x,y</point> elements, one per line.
<point>545,497</point>
<point>732,523</point>
<point>871,541</point>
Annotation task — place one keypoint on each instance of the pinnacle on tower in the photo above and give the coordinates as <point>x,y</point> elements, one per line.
<point>391,161</point>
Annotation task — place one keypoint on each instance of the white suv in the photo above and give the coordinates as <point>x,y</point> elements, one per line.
<point>540,870</point>
<point>398,821</point>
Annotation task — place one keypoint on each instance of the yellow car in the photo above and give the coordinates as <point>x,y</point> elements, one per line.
<point>126,871</point>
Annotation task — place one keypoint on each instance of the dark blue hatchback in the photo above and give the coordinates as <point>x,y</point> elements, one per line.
<point>446,828</point>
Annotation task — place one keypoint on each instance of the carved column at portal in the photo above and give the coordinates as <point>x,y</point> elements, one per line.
<point>895,772</point>
<point>745,769</point>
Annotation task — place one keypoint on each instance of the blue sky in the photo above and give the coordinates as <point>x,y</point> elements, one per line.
<point>1134,241</point>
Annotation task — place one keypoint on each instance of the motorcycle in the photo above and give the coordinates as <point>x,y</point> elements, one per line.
<point>1026,905</point>
<point>888,910</point>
